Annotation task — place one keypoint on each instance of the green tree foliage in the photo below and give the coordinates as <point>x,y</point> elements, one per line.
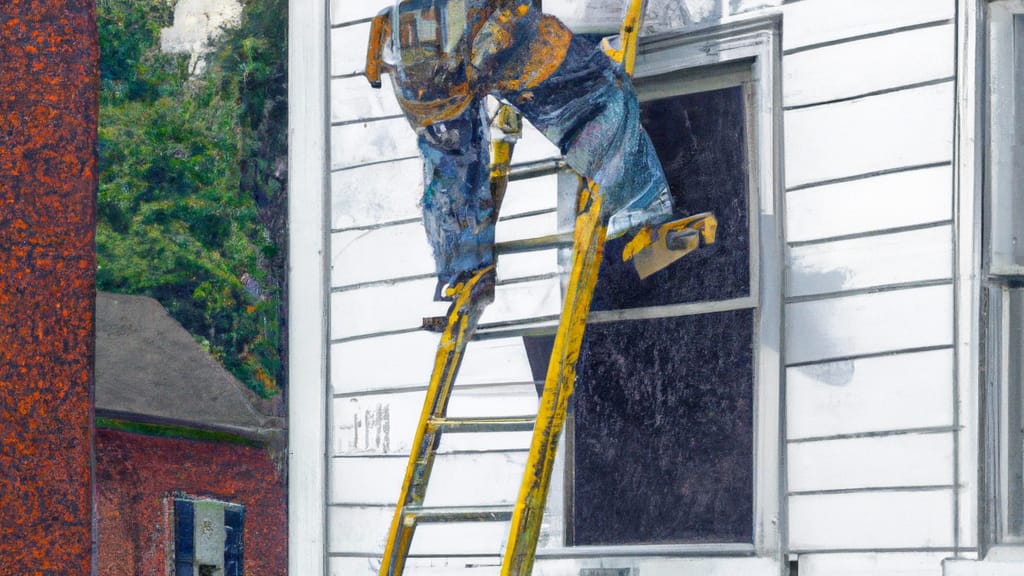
<point>175,220</point>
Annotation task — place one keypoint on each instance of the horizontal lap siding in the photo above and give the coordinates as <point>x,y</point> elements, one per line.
<point>868,96</point>
<point>870,65</point>
<point>871,520</point>
<point>874,564</point>
<point>910,198</point>
<point>356,369</point>
<point>879,133</point>
<point>871,262</point>
<point>866,324</point>
<point>463,566</point>
<point>872,462</point>
<point>494,475</point>
<point>910,391</point>
<point>348,49</point>
<point>347,11</point>
<point>812,22</point>
<point>363,530</point>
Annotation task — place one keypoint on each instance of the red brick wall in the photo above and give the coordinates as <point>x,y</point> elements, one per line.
<point>48,111</point>
<point>135,475</point>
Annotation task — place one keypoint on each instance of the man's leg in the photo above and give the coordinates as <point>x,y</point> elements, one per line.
<point>588,108</point>
<point>458,211</point>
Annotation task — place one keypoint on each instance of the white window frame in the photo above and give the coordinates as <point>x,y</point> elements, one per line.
<point>755,41</point>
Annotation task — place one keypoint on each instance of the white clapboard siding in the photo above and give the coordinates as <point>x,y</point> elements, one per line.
<point>869,65</point>
<point>869,324</point>
<point>882,132</point>
<point>524,300</point>
<point>360,197</point>
<point>367,311</point>
<point>897,392</point>
<point>908,198</point>
<point>816,21</point>
<point>872,261</point>
<point>382,424</point>
<point>456,480</point>
<point>525,264</point>
<point>364,530</point>
<point>461,566</point>
<point>366,364</point>
<point>353,99</point>
<point>343,11</point>
<point>360,256</point>
<point>525,227</point>
<point>376,141</point>
<point>402,306</point>
<point>871,520</point>
<point>872,462</point>
<point>530,194</point>
<point>348,49</point>
<point>873,564</point>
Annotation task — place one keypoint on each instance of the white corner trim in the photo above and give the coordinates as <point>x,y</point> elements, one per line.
<point>967,258</point>
<point>307,340</point>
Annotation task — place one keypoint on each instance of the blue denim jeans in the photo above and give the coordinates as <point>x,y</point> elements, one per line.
<point>587,107</point>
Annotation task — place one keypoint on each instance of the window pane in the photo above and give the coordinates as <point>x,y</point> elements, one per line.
<point>701,142</point>
<point>1015,413</point>
<point>664,431</point>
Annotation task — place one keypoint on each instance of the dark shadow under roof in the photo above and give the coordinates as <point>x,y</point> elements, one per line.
<point>150,369</point>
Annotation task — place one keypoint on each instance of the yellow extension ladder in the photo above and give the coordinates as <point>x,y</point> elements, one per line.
<point>650,250</point>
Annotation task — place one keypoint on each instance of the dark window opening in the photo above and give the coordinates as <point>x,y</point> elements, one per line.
<point>662,424</point>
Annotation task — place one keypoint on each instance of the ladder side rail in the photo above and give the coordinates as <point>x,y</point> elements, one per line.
<point>526,519</point>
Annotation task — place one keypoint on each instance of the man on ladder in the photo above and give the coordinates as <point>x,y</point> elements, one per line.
<point>444,57</point>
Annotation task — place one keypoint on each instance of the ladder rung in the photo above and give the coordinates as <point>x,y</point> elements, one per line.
<point>498,424</point>
<point>414,514</point>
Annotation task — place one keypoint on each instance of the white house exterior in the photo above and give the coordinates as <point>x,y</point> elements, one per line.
<point>883,321</point>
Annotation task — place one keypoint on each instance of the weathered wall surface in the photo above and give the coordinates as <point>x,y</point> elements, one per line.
<point>872,428</point>
<point>48,111</point>
<point>868,100</point>
<point>135,477</point>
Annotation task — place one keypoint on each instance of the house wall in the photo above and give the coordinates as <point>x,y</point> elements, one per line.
<point>874,431</point>
<point>48,109</point>
<point>136,477</point>
<point>872,423</point>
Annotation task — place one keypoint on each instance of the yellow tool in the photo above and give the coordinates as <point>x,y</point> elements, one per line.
<point>653,248</point>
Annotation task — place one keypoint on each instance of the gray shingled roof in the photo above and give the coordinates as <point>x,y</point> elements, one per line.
<point>148,368</point>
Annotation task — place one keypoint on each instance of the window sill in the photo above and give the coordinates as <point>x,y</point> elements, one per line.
<point>1004,560</point>
<point>634,565</point>
<point>648,550</point>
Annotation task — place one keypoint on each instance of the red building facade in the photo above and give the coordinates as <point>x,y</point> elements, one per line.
<point>137,478</point>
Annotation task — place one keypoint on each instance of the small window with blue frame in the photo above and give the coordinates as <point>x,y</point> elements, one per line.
<point>207,537</point>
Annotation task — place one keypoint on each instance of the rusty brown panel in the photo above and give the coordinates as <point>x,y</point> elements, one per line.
<point>48,111</point>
